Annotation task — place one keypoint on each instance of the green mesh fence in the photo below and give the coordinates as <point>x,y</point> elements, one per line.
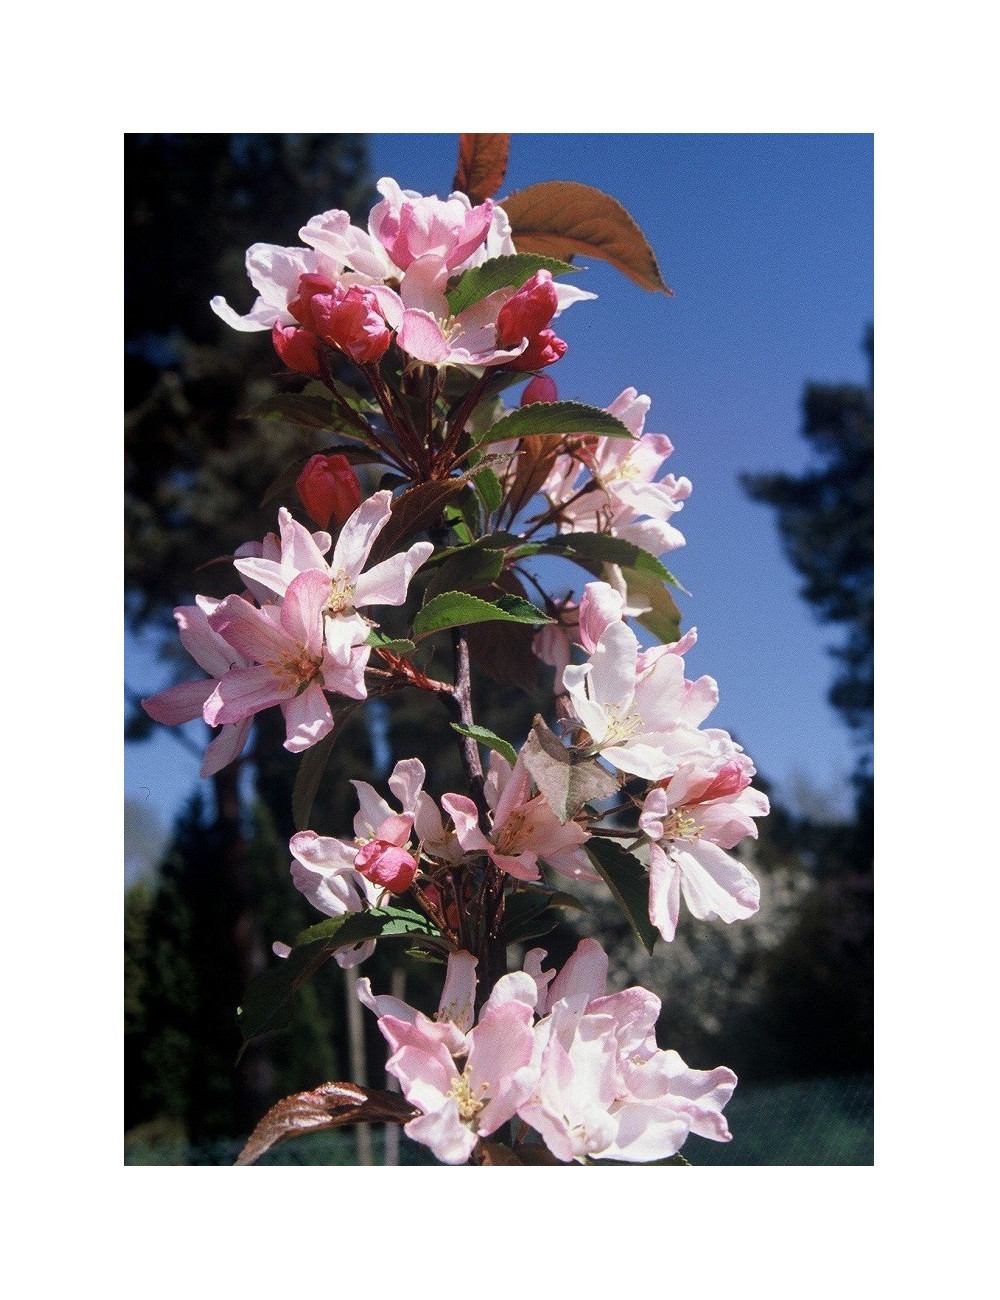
<point>812,1122</point>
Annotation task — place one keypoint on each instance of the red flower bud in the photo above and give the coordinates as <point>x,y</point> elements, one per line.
<point>525,316</point>
<point>329,488</point>
<point>541,389</point>
<point>386,865</point>
<point>297,349</point>
<point>348,319</point>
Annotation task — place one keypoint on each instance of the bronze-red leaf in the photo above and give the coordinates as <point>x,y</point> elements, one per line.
<point>482,165</point>
<point>563,218</point>
<point>328,1106</point>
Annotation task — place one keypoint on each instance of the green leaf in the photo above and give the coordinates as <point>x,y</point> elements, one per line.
<point>513,269</point>
<point>663,618</point>
<point>521,610</point>
<point>488,738</point>
<point>589,548</point>
<point>269,998</point>
<point>533,912</point>
<point>466,569</point>
<point>458,609</point>
<point>489,488</point>
<point>307,779</point>
<point>551,418</point>
<point>397,645</point>
<point>628,881</point>
<point>565,779</point>
<point>374,923</point>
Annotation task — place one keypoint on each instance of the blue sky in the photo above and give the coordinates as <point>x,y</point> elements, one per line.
<point>767,241</point>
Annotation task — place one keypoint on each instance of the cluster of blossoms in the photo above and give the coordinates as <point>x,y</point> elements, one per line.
<point>555,1052</point>
<point>354,289</point>
<point>579,1066</point>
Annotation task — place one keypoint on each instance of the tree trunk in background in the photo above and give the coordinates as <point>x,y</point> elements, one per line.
<point>254,1075</point>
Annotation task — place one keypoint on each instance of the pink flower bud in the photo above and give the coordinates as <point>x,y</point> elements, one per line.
<point>525,316</point>
<point>348,319</point>
<point>386,865</point>
<point>329,488</point>
<point>543,350</point>
<point>541,389</point>
<point>297,349</point>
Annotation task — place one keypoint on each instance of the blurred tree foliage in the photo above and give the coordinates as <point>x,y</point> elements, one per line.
<point>825,518</point>
<point>195,473</point>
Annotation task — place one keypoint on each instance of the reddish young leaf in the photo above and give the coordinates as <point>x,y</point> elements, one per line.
<point>560,218</point>
<point>534,459</point>
<point>328,1106</point>
<point>482,164</point>
<point>414,510</point>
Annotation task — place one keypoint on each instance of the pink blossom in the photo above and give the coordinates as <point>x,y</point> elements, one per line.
<point>626,498</point>
<point>329,489</point>
<point>466,1080</point>
<point>348,589</point>
<point>525,829</point>
<point>351,319</point>
<point>541,389</point>
<point>690,820</point>
<point>184,703</point>
<point>384,860</point>
<point>289,664</point>
<point>645,721</point>
<point>605,1090</point>
<point>323,870</point>
<point>410,226</point>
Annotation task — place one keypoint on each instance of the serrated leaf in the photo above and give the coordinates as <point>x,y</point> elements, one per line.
<point>566,780</point>
<point>488,486</point>
<point>268,1002</point>
<point>564,218</point>
<point>373,923</point>
<point>548,419</point>
<point>465,569</point>
<point>511,270</point>
<point>327,1106</point>
<point>628,881</point>
<point>413,511</point>
<point>602,547</point>
<point>458,609</point>
<point>399,645</point>
<point>482,164</point>
<point>309,413</point>
<point>483,736</point>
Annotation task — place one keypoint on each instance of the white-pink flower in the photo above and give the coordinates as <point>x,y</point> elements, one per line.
<point>690,820</point>
<point>525,829</point>
<point>605,1090</point>
<point>466,1080</point>
<point>641,715</point>
<point>348,588</point>
<point>323,870</point>
<point>289,665</point>
<point>185,702</point>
